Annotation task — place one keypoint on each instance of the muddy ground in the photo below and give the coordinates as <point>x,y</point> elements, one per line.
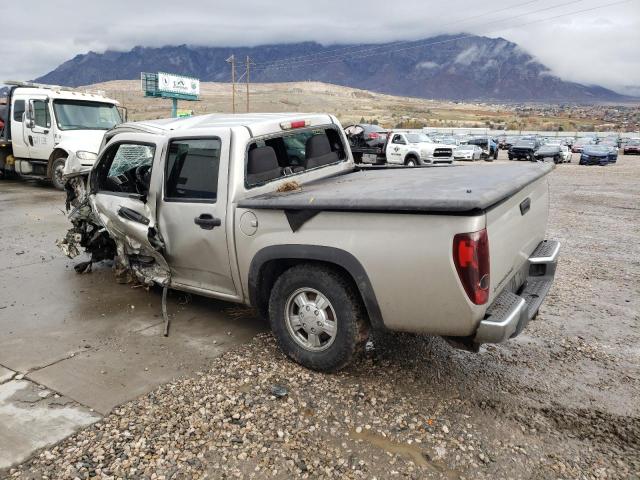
<point>560,401</point>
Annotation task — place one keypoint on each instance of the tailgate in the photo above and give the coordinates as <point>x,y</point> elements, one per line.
<point>515,228</point>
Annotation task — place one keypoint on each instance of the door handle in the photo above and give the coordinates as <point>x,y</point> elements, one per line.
<point>207,222</point>
<point>30,140</point>
<point>132,215</point>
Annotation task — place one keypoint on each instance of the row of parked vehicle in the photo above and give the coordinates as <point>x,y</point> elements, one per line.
<point>376,145</point>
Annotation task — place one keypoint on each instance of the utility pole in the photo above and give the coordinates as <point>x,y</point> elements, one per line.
<point>232,61</point>
<point>247,80</point>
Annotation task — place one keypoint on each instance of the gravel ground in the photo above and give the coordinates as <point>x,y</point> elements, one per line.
<point>560,401</point>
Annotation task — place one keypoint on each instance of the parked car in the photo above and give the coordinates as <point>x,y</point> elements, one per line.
<point>214,206</point>
<point>580,144</point>
<point>488,145</point>
<point>524,150</point>
<point>548,152</point>
<point>467,152</point>
<point>595,155</point>
<point>632,147</point>
<point>508,142</point>
<point>565,153</point>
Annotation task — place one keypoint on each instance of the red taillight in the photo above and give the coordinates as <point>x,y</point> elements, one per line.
<point>471,257</point>
<point>373,135</point>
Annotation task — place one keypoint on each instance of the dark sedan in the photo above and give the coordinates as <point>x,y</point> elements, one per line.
<point>551,152</point>
<point>596,155</point>
<point>632,148</point>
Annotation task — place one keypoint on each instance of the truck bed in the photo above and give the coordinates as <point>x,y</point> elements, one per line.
<point>454,189</point>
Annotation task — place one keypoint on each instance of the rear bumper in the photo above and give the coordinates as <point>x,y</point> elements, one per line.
<point>510,312</point>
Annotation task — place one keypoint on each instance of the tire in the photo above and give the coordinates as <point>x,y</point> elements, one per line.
<point>556,160</point>
<point>56,173</point>
<point>320,350</point>
<point>411,161</point>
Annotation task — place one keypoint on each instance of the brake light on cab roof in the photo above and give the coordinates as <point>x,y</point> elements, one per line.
<point>295,124</point>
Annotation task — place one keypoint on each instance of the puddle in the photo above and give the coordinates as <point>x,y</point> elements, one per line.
<point>411,452</point>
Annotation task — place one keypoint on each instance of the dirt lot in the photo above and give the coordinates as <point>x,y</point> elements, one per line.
<point>560,401</point>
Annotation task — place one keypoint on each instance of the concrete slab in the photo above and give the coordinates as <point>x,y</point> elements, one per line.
<point>6,374</point>
<point>129,365</point>
<point>85,336</point>
<point>32,418</point>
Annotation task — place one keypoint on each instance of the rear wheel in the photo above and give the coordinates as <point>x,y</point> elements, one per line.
<point>56,172</point>
<point>317,317</point>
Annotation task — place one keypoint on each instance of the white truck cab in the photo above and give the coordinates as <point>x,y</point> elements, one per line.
<point>416,148</point>
<point>48,124</point>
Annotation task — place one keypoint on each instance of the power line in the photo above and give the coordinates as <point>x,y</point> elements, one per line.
<point>365,51</point>
<point>399,42</point>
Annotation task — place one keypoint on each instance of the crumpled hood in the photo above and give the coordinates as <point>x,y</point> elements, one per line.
<point>79,140</point>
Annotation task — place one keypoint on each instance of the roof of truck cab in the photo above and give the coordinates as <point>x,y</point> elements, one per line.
<point>214,120</point>
<point>62,94</point>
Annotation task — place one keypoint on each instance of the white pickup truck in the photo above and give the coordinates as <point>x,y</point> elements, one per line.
<point>415,148</point>
<point>230,207</point>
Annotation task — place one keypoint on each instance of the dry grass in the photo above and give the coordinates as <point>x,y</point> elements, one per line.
<point>350,105</point>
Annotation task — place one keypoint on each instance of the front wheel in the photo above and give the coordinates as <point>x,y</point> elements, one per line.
<point>317,317</point>
<point>56,172</point>
<point>410,162</point>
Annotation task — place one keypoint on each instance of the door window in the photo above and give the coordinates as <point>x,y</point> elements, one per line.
<point>18,110</point>
<point>398,139</point>
<point>126,168</point>
<point>192,170</point>
<point>41,115</point>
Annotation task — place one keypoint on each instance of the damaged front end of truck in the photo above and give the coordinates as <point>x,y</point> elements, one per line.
<point>114,226</point>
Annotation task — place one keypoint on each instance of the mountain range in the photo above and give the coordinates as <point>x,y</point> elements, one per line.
<point>447,67</point>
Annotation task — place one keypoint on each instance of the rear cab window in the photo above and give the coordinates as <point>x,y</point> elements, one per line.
<point>290,153</point>
<point>18,110</point>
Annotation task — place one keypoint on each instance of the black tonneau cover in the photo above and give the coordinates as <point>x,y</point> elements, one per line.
<point>450,189</point>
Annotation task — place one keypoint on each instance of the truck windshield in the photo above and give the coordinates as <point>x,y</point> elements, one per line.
<point>83,115</point>
<point>418,138</point>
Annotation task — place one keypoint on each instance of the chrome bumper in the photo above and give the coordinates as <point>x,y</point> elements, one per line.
<point>510,312</point>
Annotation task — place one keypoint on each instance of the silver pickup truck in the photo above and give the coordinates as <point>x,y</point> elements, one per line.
<point>269,210</point>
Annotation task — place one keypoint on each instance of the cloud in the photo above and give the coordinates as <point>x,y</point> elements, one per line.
<point>596,47</point>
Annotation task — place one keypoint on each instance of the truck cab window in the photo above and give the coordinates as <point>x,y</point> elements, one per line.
<point>291,153</point>
<point>192,169</point>
<point>18,110</point>
<point>398,139</point>
<point>41,115</point>
<point>126,169</point>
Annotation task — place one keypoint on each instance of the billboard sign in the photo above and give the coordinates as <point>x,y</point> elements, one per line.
<point>170,83</point>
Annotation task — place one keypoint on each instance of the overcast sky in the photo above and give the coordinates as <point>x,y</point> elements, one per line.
<point>594,47</point>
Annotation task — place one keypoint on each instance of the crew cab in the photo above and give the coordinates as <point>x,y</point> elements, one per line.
<point>415,148</point>
<point>47,124</point>
<point>217,205</point>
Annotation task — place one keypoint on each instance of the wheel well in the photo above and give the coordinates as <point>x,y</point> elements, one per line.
<point>56,154</point>
<point>272,269</point>
<point>410,156</point>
